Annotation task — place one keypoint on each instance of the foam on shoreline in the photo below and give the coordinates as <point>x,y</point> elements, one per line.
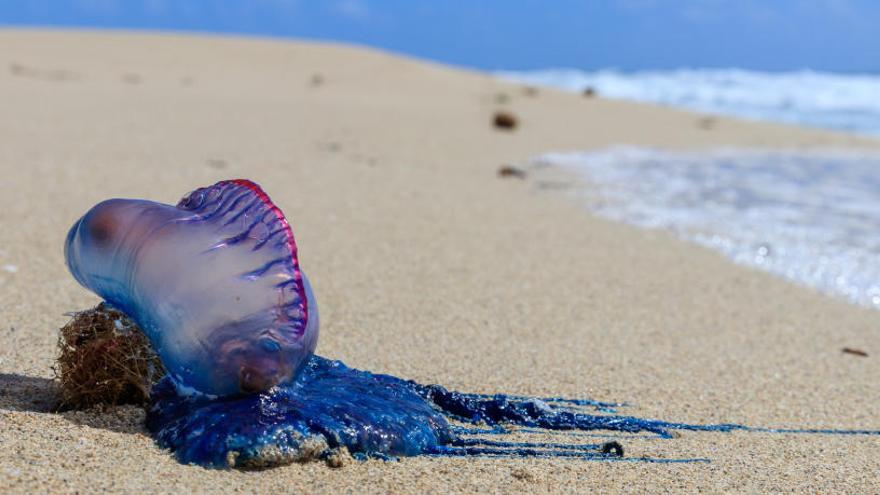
<point>812,217</point>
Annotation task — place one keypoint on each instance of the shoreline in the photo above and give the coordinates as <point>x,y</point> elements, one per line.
<point>426,265</point>
<point>799,215</point>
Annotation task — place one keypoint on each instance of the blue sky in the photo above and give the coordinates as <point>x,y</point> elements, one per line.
<point>837,35</point>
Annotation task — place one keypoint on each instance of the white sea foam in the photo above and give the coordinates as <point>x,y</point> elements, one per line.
<point>810,217</point>
<point>817,99</point>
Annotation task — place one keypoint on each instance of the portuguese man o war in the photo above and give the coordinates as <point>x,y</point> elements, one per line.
<point>216,286</point>
<point>214,283</point>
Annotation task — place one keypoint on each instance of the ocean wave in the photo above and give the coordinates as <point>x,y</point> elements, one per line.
<point>812,217</point>
<point>841,102</point>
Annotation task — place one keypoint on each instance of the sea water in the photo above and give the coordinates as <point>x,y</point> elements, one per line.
<point>845,102</point>
<point>812,217</point>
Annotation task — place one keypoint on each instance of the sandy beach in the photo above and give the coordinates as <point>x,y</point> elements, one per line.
<point>426,265</point>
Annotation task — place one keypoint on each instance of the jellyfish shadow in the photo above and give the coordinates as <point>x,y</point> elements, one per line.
<point>34,394</point>
<point>23,393</point>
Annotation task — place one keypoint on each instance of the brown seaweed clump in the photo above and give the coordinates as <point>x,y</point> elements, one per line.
<point>104,358</point>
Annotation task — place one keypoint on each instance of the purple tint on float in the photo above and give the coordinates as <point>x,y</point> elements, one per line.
<point>214,283</point>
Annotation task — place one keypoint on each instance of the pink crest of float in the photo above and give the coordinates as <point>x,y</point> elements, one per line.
<point>288,232</point>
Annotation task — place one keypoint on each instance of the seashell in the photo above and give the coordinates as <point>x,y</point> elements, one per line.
<point>214,282</point>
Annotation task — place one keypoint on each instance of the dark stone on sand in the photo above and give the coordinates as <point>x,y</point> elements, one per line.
<point>613,448</point>
<point>508,171</point>
<point>505,120</point>
<point>589,92</point>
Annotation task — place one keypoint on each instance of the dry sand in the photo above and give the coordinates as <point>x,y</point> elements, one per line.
<point>425,263</point>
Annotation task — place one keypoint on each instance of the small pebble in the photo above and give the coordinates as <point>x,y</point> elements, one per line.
<point>613,448</point>
<point>508,171</point>
<point>505,120</point>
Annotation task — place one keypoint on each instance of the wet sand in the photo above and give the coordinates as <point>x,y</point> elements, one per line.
<point>425,262</point>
